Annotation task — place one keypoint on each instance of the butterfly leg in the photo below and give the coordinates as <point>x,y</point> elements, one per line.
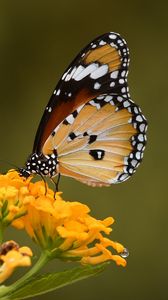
<point>45,183</point>
<point>56,184</point>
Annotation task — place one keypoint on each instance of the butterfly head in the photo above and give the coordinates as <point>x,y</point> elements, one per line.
<point>24,172</point>
<point>40,164</point>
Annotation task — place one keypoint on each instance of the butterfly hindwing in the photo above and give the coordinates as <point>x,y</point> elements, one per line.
<point>104,144</point>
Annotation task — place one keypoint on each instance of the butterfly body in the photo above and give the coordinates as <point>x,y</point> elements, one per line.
<point>45,165</point>
<point>91,130</point>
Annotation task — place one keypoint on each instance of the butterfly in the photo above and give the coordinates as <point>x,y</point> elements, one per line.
<point>91,129</point>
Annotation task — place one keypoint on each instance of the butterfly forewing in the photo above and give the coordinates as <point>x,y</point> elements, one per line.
<point>94,71</point>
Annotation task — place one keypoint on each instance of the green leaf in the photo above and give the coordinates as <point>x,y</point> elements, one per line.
<point>52,281</point>
<point>4,210</point>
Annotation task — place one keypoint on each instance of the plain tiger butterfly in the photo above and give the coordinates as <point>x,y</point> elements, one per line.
<point>91,130</point>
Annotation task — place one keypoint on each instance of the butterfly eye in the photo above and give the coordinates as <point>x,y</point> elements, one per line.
<point>91,129</point>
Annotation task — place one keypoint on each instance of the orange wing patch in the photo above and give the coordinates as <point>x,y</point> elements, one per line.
<point>82,178</point>
<point>113,134</point>
<point>92,173</point>
<point>104,55</point>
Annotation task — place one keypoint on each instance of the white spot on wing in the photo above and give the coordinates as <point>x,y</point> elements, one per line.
<point>136,110</point>
<point>86,71</point>
<point>126,103</point>
<point>123,74</point>
<point>70,119</point>
<point>114,74</point>
<point>142,127</point>
<point>97,85</point>
<point>99,72</point>
<point>123,177</point>
<point>134,162</point>
<point>69,76</point>
<point>138,155</point>
<point>141,137</point>
<point>100,97</point>
<point>108,98</point>
<point>139,118</point>
<point>58,92</point>
<point>64,75</point>
<point>112,84</point>
<point>113,45</point>
<point>112,36</point>
<point>102,43</point>
<point>112,103</point>
<point>95,104</point>
<point>119,98</point>
<point>121,81</point>
<point>80,107</point>
<point>99,154</point>
<point>78,71</point>
<point>140,146</point>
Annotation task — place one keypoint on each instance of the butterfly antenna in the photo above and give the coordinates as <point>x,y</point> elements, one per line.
<point>9,163</point>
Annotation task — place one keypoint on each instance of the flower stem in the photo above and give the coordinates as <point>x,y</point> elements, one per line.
<point>5,291</point>
<point>1,232</point>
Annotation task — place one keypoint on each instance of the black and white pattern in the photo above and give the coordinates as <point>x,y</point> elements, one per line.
<point>97,77</point>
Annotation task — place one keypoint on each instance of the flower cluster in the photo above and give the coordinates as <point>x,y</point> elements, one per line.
<point>11,257</point>
<point>12,192</point>
<point>63,228</point>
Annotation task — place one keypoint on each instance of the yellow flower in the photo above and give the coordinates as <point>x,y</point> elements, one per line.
<point>11,257</point>
<point>12,192</point>
<point>65,229</point>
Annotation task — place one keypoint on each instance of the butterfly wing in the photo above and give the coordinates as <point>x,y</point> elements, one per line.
<point>104,144</point>
<point>95,70</point>
<point>96,129</point>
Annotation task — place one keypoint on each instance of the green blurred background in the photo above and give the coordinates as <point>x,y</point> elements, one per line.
<point>38,39</point>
